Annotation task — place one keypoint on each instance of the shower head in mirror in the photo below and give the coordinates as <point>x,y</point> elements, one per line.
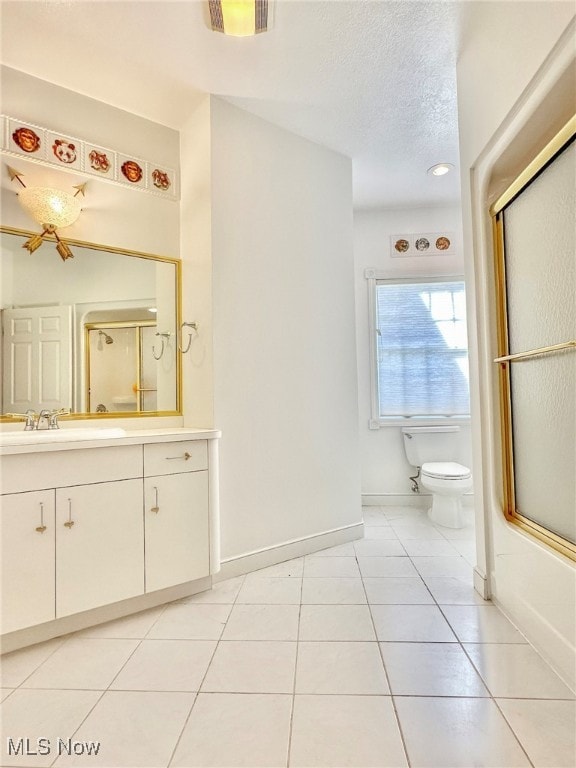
<point>104,337</point>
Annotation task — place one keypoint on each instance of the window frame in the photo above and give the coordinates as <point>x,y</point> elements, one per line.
<point>374,278</point>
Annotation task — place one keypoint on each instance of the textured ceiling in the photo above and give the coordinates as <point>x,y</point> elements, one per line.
<point>372,80</point>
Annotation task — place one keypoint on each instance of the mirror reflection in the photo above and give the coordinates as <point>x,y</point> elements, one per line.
<point>95,334</point>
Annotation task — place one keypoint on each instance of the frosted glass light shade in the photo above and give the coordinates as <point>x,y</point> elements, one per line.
<point>50,207</point>
<point>239,18</point>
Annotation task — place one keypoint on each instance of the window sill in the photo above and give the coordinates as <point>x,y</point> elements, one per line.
<point>423,421</point>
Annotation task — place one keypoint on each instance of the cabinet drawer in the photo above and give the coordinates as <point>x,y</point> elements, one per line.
<point>57,469</point>
<point>171,458</point>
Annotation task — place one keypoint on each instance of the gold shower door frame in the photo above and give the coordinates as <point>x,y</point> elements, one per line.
<point>137,325</point>
<point>505,359</point>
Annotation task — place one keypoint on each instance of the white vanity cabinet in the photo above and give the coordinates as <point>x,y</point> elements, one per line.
<point>176,513</point>
<point>93,531</point>
<point>27,552</point>
<point>99,545</point>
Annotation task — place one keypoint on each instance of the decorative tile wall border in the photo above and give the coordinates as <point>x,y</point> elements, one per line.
<point>43,145</point>
<point>426,244</point>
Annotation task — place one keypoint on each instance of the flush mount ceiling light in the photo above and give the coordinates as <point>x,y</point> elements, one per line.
<point>441,169</point>
<point>239,18</point>
<point>51,208</point>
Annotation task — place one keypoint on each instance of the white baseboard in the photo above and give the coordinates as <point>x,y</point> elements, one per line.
<point>262,558</point>
<point>407,500</point>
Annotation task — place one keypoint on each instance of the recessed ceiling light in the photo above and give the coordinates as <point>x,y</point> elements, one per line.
<point>440,169</point>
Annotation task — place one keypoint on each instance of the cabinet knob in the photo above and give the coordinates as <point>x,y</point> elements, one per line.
<point>69,523</point>
<point>155,508</point>
<point>41,528</point>
<point>186,456</point>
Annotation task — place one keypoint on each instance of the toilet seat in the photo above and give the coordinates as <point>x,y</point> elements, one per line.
<point>446,470</point>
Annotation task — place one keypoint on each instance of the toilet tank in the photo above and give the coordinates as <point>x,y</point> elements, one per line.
<point>423,444</point>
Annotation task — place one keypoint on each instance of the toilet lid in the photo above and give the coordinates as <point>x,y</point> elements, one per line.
<point>447,470</point>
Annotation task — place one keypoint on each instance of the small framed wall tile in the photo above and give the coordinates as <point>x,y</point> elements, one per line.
<point>425,244</point>
<point>99,161</point>
<point>26,139</point>
<point>161,179</point>
<point>63,150</point>
<point>132,171</point>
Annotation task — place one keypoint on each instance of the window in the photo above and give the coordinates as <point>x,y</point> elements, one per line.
<point>420,357</point>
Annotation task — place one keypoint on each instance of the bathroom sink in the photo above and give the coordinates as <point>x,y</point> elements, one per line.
<point>32,437</point>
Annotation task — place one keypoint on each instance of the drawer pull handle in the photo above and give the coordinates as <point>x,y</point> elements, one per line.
<point>155,508</point>
<point>175,458</point>
<point>41,528</point>
<point>69,523</point>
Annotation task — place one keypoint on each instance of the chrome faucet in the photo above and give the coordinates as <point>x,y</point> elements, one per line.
<point>44,415</point>
<point>34,420</point>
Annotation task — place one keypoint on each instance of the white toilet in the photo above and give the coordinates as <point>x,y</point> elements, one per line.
<point>433,450</point>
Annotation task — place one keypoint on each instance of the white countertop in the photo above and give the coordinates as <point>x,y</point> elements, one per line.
<point>75,442</point>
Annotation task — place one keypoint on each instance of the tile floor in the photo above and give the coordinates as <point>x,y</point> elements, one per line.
<point>373,653</point>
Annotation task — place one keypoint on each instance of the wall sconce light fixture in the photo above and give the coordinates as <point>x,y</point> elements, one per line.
<point>239,18</point>
<point>51,208</point>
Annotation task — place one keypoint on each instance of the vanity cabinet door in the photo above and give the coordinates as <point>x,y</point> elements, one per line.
<point>27,551</point>
<point>99,545</point>
<point>176,529</point>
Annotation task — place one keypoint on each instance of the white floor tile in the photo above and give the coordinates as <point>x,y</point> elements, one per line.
<point>411,623</point>
<point>135,729</point>
<point>190,621</point>
<point>407,531</point>
<point>481,624</point>
<point>252,667</point>
<point>453,567</point>
<point>431,669</point>
<point>88,663</point>
<point>406,514</point>
<point>383,548</point>
<point>5,692</point>
<point>377,567</point>
<point>353,731</point>
<point>333,591</point>
<point>430,547</point>
<point>516,671</point>
<point>379,533</point>
<point>546,729</point>
<point>330,566</point>
<point>336,622</point>
<point>466,533</point>
<point>447,590</point>
<point>15,667</point>
<point>340,668</point>
<point>374,516</point>
<point>232,730</point>
<point>397,590</point>
<point>130,627</point>
<point>467,549</point>
<point>262,622</point>
<point>35,715</point>
<point>271,590</point>
<point>289,568</point>
<point>166,665</point>
<point>223,592</point>
<point>341,550</point>
<point>457,733</point>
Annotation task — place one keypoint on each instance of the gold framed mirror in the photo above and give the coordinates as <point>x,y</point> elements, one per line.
<point>96,334</point>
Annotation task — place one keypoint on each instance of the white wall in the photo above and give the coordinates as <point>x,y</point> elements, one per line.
<point>285,391</point>
<point>504,79</point>
<point>385,469</point>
